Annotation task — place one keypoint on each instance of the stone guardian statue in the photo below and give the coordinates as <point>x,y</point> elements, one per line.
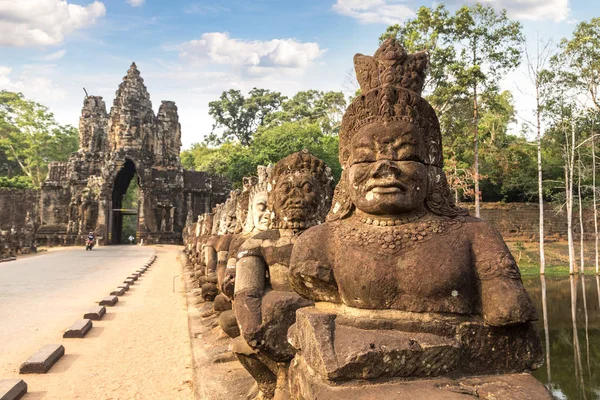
<point>406,285</point>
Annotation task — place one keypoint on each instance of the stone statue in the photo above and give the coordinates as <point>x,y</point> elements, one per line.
<point>406,284</point>
<point>300,192</point>
<point>209,255</point>
<point>254,220</point>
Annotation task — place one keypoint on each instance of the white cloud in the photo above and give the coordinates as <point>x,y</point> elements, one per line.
<point>252,56</point>
<point>196,8</point>
<point>53,56</point>
<point>557,10</point>
<point>43,22</point>
<point>136,3</point>
<point>375,11</point>
<point>35,82</point>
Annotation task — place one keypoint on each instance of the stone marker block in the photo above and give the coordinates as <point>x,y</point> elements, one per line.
<point>134,277</point>
<point>136,274</point>
<point>118,292</point>
<point>129,281</point>
<point>79,329</point>
<point>12,389</point>
<point>95,313</point>
<point>109,301</point>
<point>124,286</point>
<point>42,360</point>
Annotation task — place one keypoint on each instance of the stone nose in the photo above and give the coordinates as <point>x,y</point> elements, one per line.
<point>385,168</point>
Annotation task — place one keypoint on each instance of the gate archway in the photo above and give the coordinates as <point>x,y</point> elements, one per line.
<point>117,212</point>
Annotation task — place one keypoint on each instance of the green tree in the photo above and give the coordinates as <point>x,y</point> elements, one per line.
<point>270,145</point>
<point>312,106</point>
<point>490,47</point>
<point>30,136</point>
<point>432,30</point>
<point>239,117</point>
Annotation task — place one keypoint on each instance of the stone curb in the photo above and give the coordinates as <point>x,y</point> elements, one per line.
<point>109,301</point>
<point>124,286</point>
<point>79,329</point>
<point>95,313</point>
<point>118,292</point>
<point>129,281</point>
<point>134,277</point>
<point>42,360</point>
<point>12,389</point>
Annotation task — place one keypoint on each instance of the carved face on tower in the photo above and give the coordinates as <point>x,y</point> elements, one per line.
<point>300,191</point>
<point>386,172</point>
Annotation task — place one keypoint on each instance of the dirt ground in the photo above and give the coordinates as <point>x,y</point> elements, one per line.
<point>218,374</point>
<point>140,350</point>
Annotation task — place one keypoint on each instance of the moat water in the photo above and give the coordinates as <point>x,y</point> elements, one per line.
<point>569,325</point>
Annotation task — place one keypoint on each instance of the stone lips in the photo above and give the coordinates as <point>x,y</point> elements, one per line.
<point>42,360</point>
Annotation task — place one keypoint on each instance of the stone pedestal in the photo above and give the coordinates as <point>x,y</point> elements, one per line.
<point>387,353</point>
<point>306,384</point>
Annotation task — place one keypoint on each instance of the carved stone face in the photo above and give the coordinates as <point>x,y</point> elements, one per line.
<point>260,212</point>
<point>296,197</point>
<point>386,173</point>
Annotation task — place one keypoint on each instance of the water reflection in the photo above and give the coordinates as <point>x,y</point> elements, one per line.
<point>570,329</point>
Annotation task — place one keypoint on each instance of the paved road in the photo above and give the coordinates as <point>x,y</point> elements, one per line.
<point>42,295</point>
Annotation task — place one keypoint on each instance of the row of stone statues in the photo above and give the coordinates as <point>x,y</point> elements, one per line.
<point>381,287</point>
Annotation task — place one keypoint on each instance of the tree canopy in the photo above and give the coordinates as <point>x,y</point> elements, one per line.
<point>30,138</point>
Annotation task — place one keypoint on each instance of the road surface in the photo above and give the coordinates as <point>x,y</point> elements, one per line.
<point>124,355</point>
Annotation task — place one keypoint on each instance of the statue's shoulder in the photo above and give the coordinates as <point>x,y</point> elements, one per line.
<point>479,227</point>
<point>318,234</point>
<point>212,240</point>
<point>256,242</point>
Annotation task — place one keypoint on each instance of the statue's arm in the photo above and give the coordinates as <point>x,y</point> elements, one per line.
<point>311,272</point>
<point>504,300</point>
<point>250,284</point>
<point>211,262</point>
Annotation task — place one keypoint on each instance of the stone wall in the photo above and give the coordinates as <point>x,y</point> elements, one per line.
<point>519,221</point>
<point>18,219</point>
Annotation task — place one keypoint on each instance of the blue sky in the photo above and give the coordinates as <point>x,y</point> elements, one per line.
<point>189,51</point>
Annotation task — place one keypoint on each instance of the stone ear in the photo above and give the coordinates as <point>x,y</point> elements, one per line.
<point>439,199</point>
<point>341,204</point>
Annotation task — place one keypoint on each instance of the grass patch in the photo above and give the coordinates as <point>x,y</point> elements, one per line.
<point>527,255</point>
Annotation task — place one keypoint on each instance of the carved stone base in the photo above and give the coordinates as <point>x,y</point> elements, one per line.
<point>342,343</point>
<point>305,384</point>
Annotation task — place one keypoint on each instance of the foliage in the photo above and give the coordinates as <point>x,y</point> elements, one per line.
<point>270,145</point>
<point>242,117</point>
<point>30,136</point>
<point>17,182</point>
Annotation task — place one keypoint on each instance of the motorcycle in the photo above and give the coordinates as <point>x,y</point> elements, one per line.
<point>89,244</point>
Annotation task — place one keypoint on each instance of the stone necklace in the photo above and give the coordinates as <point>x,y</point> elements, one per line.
<point>392,235</point>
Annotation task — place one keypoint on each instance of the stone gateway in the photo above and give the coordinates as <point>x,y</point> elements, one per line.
<point>130,143</point>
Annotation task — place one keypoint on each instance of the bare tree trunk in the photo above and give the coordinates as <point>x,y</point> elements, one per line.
<point>476,150</point>
<point>540,180</point>
<point>594,197</point>
<point>581,244</point>
<point>546,328</point>
<point>569,156</point>
<point>569,205</point>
